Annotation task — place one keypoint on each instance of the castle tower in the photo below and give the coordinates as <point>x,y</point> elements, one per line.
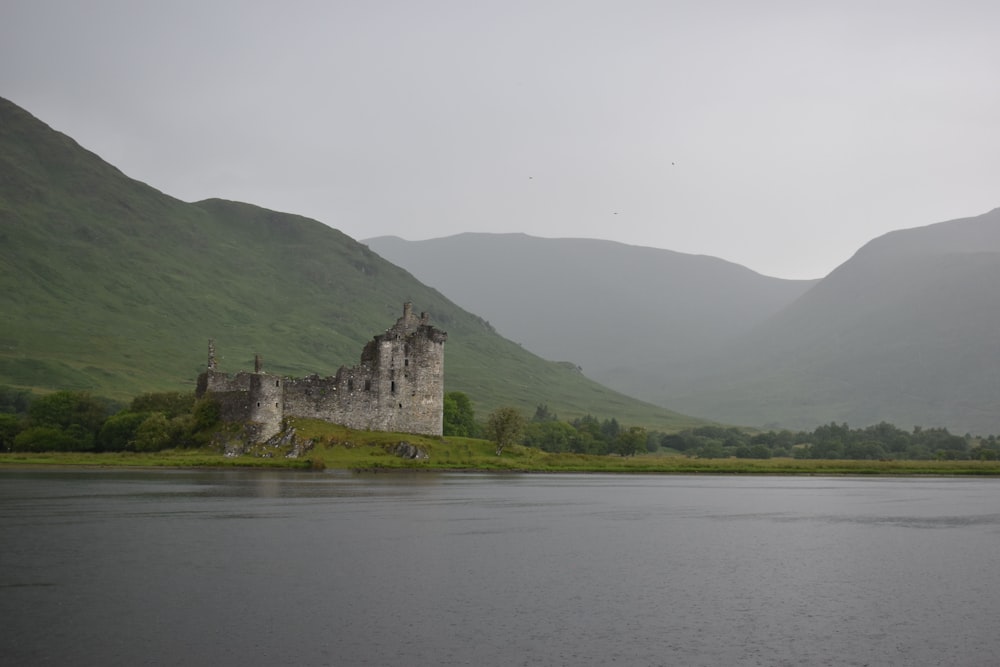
<point>266,403</point>
<point>408,376</point>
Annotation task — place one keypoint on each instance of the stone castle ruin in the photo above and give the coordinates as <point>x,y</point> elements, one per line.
<point>398,386</point>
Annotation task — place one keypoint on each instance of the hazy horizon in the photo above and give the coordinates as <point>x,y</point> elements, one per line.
<point>775,135</point>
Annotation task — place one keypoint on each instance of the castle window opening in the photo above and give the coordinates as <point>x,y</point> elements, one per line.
<point>368,385</point>
<point>277,383</point>
<point>393,389</point>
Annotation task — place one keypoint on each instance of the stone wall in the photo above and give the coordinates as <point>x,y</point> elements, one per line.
<point>398,386</point>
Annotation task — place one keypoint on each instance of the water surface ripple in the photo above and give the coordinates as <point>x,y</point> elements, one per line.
<point>116,567</point>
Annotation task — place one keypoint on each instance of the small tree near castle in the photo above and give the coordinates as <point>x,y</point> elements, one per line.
<point>504,427</point>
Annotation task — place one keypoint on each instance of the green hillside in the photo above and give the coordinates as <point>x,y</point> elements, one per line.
<point>109,286</point>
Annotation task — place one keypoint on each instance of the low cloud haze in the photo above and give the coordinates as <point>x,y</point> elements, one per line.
<point>779,135</point>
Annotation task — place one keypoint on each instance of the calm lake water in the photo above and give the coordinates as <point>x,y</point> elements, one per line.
<point>118,567</point>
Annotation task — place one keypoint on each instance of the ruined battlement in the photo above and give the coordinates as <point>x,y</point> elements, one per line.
<point>398,386</point>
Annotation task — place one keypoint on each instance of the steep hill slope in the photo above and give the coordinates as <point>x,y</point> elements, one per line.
<point>905,331</point>
<point>110,286</point>
<point>641,320</point>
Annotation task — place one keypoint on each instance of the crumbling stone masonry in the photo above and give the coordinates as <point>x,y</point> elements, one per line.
<point>398,386</point>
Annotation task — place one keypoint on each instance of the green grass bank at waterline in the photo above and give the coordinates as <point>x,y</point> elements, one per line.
<point>343,449</point>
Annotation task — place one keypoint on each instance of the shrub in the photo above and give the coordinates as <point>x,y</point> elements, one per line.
<point>206,414</point>
<point>153,434</point>
<point>9,427</point>
<point>44,439</point>
<point>118,432</point>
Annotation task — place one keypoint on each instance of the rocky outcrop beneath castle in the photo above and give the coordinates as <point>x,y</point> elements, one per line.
<point>397,387</point>
<point>247,441</point>
<point>407,450</point>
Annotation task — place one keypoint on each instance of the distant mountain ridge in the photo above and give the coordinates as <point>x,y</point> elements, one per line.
<point>110,286</point>
<point>905,331</point>
<point>632,317</point>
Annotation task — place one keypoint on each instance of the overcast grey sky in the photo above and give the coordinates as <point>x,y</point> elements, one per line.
<point>781,135</point>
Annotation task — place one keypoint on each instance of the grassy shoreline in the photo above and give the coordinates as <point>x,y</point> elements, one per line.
<point>340,448</point>
<point>461,455</point>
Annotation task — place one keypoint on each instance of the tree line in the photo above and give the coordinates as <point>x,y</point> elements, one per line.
<point>883,441</point>
<point>507,425</point>
<point>78,421</point>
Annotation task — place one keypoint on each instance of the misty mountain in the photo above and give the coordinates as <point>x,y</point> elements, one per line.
<point>905,331</point>
<point>641,320</point>
<point>108,285</point>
